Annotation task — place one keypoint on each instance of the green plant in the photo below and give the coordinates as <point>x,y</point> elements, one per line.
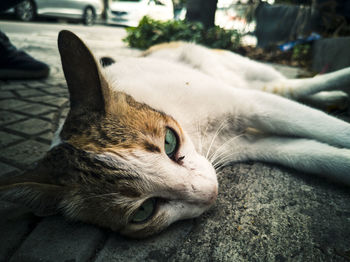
<point>150,32</point>
<point>302,54</point>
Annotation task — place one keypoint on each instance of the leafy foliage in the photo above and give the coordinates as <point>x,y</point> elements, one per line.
<point>150,32</point>
<point>302,55</point>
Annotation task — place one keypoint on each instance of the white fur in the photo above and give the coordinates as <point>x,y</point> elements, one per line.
<point>199,87</point>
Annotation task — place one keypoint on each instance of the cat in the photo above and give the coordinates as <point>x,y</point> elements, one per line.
<point>144,137</point>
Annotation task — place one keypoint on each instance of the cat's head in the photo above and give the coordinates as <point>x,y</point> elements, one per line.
<point>119,163</point>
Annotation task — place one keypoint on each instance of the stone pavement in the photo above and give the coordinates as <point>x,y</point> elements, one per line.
<point>263,213</point>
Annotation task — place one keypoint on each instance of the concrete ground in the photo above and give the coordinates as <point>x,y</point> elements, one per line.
<point>263,212</point>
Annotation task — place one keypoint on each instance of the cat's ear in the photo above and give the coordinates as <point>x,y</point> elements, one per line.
<point>87,86</point>
<point>34,190</point>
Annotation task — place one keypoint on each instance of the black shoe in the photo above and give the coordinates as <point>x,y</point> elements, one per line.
<point>16,64</point>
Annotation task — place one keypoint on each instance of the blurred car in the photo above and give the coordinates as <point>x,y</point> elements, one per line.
<point>130,12</point>
<point>84,10</point>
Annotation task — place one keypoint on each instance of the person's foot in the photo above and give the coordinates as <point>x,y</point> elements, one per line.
<point>16,64</point>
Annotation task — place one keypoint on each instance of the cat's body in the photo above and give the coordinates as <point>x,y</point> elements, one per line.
<point>218,91</point>
<point>143,138</point>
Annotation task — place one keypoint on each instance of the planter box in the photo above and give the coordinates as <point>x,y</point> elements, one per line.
<point>331,54</point>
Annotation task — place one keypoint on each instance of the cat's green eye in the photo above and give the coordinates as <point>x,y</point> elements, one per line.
<point>145,211</point>
<point>170,144</point>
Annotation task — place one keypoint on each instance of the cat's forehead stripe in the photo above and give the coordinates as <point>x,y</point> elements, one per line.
<point>66,157</point>
<point>150,147</point>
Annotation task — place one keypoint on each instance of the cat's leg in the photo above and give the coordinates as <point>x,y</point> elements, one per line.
<point>264,77</point>
<point>327,100</point>
<point>277,115</point>
<point>306,155</point>
<point>301,88</point>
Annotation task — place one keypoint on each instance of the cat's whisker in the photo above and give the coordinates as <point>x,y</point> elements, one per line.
<point>217,154</point>
<point>220,128</point>
<point>219,164</point>
<point>223,161</point>
<point>228,156</point>
<point>214,156</point>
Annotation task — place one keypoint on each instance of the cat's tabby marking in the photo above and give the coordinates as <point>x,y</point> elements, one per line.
<point>140,145</point>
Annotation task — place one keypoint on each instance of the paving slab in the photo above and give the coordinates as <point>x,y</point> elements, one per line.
<point>29,93</point>
<point>48,136</point>
<point>51,100</point>
<point>5,169</point>
<point>13,104</point>
<point>6,139</point>
<point>265,213</point>
<point>9,117</point>
<point>24,153</point>
<point>7,94</point>
<point>14,86</point>
<point>57,240</point>
<point>57,90</point>
<point>157,248</point>
<point>31,126</point>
